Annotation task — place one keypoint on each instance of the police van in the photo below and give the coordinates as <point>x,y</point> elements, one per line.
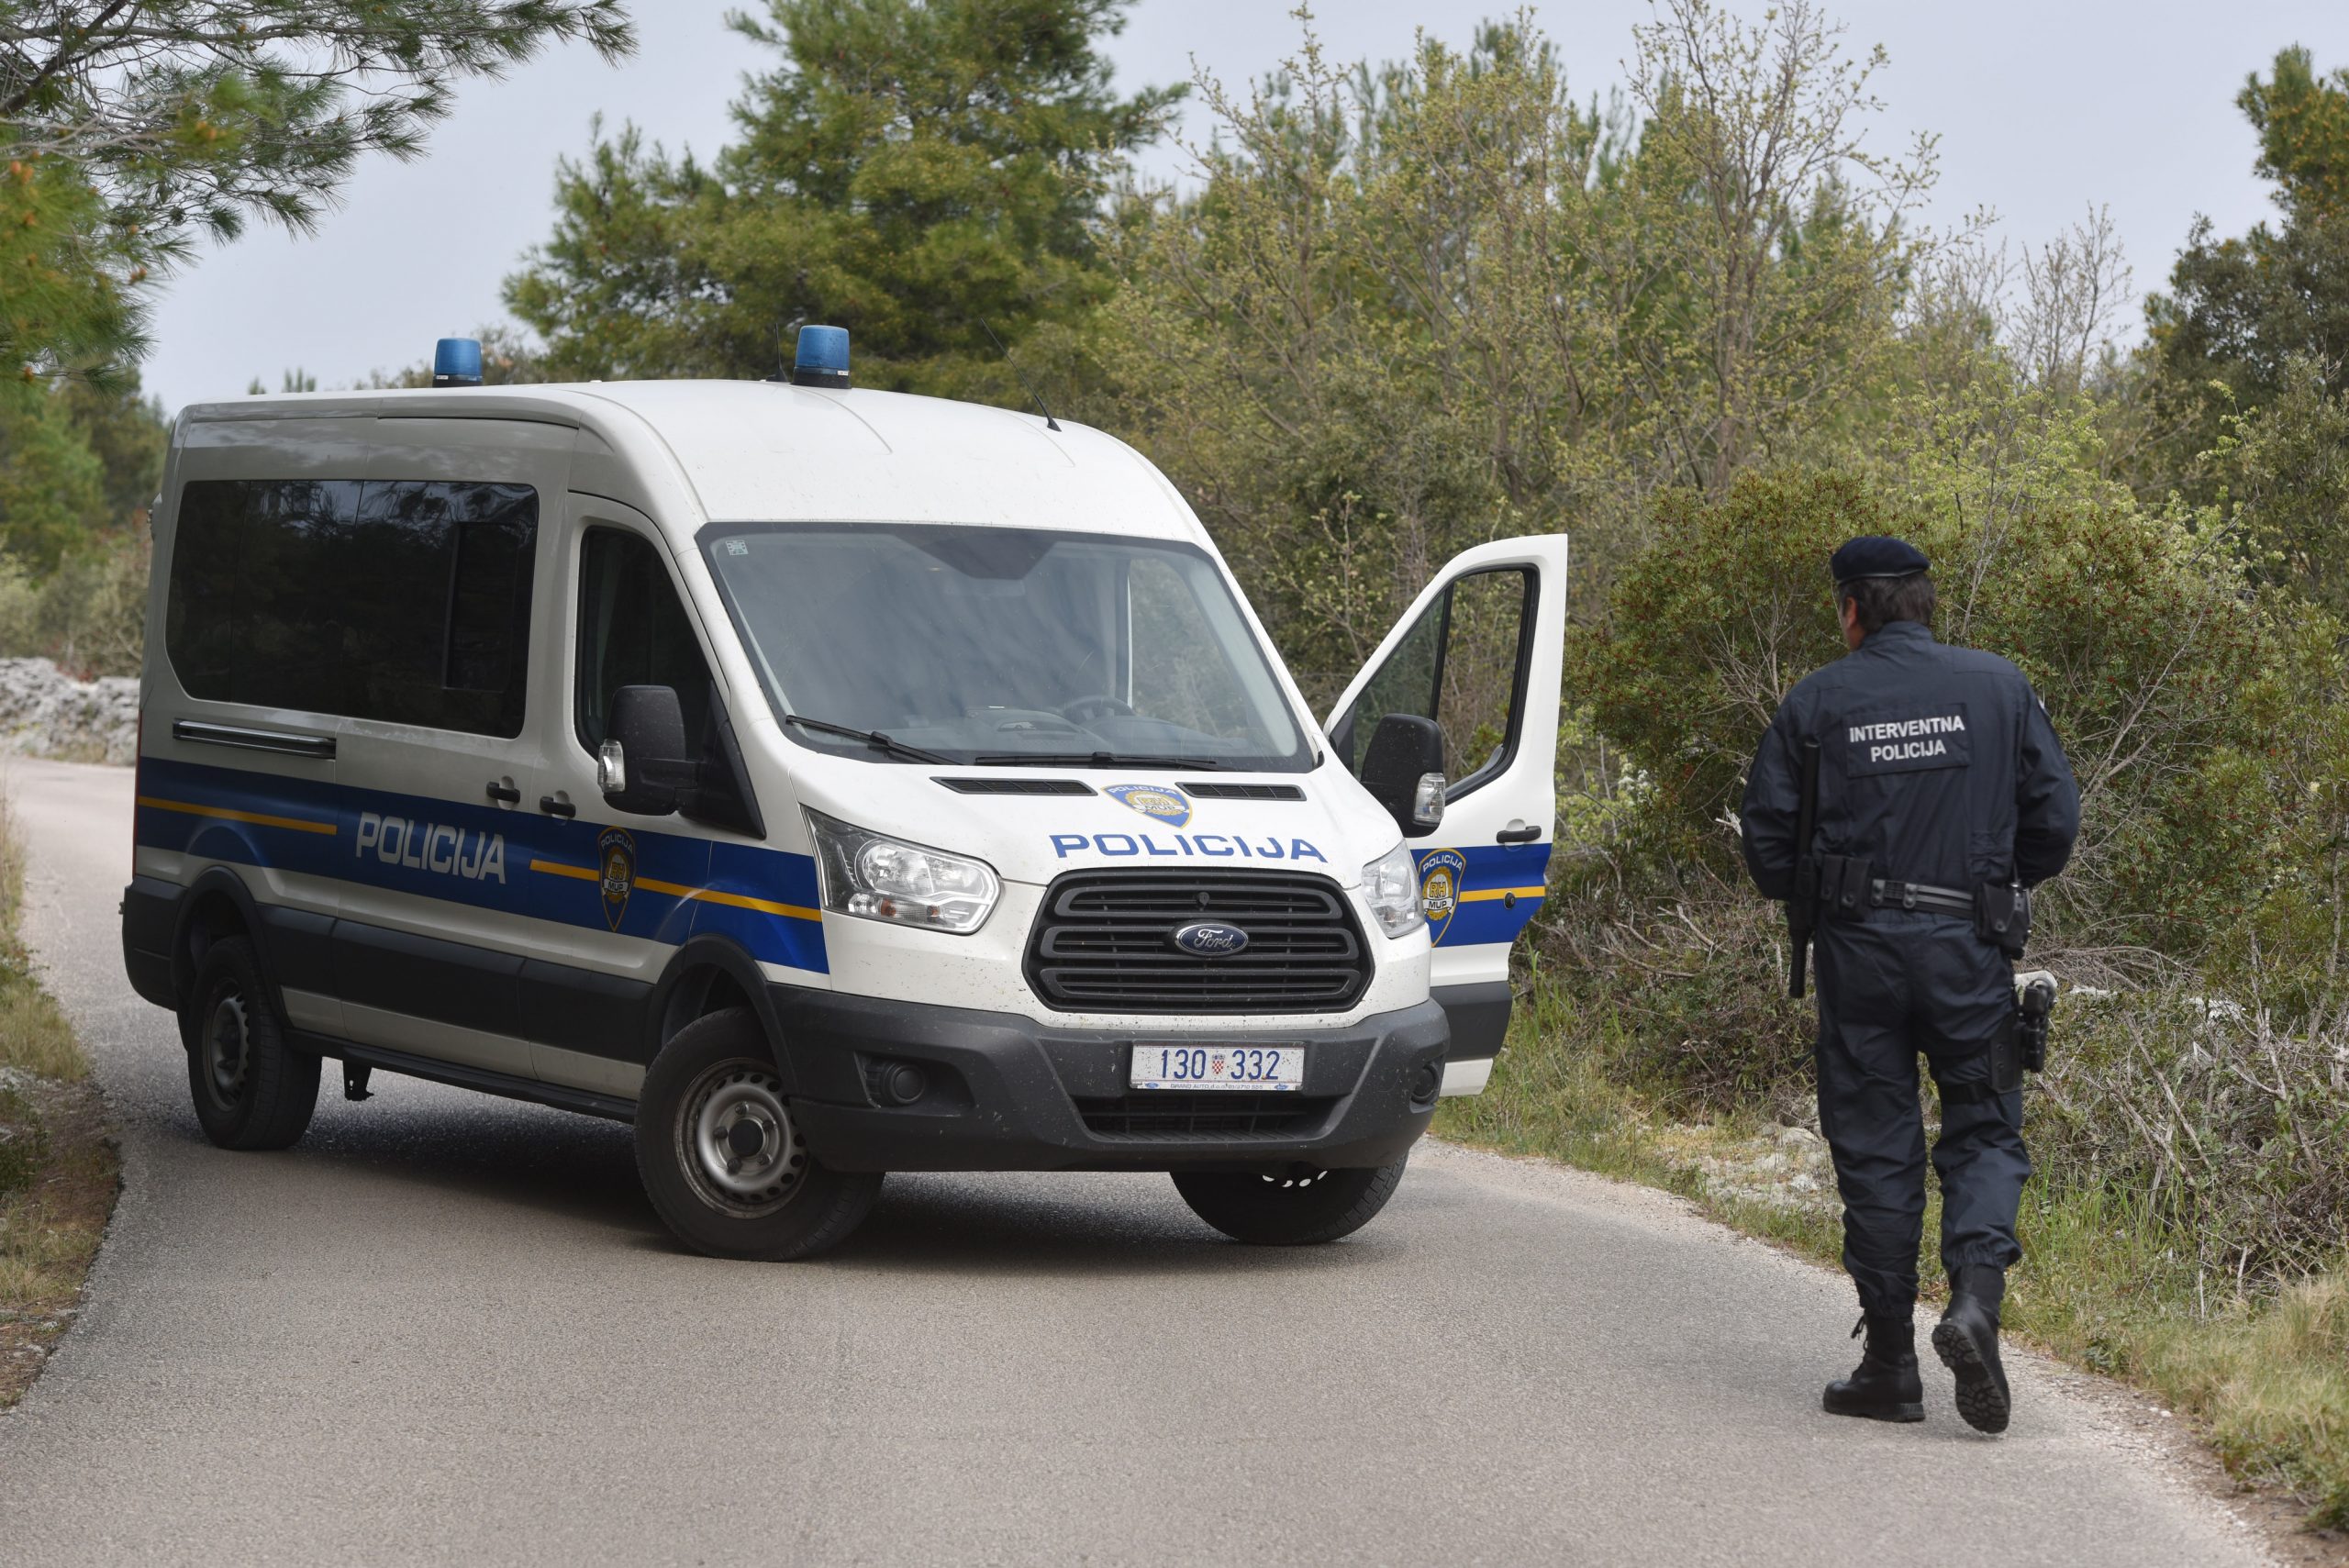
<point>827,781</point>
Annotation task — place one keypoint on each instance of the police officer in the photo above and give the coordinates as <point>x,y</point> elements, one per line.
<point>1942,788</point>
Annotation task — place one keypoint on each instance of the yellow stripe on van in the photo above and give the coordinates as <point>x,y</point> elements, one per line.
<point>1482,893</point>
<point>258,818</point>
<point>734,900</point>
<point>679,890</point>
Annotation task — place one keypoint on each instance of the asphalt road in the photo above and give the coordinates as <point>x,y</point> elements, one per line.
<point>449,1329</point>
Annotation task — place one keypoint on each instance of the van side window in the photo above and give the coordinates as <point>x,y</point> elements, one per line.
<point>403,601</point>
<point>632,632</point>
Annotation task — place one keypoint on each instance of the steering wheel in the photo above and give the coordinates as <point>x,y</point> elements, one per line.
<point>1101,705</point>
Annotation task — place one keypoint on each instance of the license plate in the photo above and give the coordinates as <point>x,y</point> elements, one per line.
<point>1273,1067</point>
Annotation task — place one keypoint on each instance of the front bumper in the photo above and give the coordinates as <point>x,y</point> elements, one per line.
<point>1005,1093</point>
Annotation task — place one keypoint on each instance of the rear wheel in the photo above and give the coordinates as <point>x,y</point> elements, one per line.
<point>721,1159</point>
<point>1294,1207</point>
<point>251,1089</point>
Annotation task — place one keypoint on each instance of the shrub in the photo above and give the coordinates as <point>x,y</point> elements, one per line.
<point>2139,633</point>
<point>89,615</point>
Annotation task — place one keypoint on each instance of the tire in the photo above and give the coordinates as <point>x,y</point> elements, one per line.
<point>707,1096</point>
<point>1296,1206</point>
<point>251,1089</point>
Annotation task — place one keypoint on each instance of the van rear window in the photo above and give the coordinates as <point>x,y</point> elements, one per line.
<point>405,601</point>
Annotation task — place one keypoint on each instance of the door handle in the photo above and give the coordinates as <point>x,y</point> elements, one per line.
<point>250,739</point>
<point>504,793</point>
<point>554,808</point>
<point>1516,836</point>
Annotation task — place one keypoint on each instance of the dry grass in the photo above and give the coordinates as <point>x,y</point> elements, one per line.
<point>58,1166</point>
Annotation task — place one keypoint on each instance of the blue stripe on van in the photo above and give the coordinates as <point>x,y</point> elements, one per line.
<point>1491,872</point>
<point>515,861</point>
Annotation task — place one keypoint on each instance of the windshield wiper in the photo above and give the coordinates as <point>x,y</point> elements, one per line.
<point>1090,760</point>
<point>872,737</point>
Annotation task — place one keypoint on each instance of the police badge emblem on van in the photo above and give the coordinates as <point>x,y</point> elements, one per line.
<point>615,853</point>
<point>1164,801</point>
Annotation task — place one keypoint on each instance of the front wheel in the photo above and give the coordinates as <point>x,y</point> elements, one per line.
<point>1295,1207</point>
<point>721,1159</point>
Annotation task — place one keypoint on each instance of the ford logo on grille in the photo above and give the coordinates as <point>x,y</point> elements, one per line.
<point>1211,939</point>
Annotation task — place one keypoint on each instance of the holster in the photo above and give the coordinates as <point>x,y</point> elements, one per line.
<point>1843,883</point>
<point>2006,1056</point>
<point>2002,916</point>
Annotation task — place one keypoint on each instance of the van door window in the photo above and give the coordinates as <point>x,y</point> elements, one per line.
<point>1459,664</point>
<point>632,632</point>
<point>436,606</point>
<point>403,601</point>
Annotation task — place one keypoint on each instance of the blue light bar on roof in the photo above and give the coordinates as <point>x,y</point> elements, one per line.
<point>456,361</point>
<point>821,358</point>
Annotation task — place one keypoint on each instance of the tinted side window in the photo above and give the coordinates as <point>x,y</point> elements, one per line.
<point>632,632</point>
<point>437,615</point>
<point>408,602</point>
<point>252,600</point>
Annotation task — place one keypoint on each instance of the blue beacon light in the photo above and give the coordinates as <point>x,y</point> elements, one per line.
<point>456,361</point>
<point>821,358</point>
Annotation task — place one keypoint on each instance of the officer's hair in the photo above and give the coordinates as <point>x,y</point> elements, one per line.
<point>1883,600</point>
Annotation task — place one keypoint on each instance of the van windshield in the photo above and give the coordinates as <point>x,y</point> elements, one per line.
<point>991,645</point>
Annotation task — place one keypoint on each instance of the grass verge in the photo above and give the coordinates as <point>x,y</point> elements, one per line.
<point>2264,1374</point>
<point>59,1170</point>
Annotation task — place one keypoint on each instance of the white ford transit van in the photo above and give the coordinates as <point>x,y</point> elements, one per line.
<point>826,783</point>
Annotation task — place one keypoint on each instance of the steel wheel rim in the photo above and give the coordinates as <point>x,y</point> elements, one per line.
<point>227,1050</point>
<point>737,1144</point>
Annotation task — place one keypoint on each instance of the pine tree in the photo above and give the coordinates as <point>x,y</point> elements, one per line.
<point>128,130</point>
<point>913,169</point>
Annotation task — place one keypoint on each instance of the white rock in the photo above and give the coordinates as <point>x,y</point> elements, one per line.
<point>46,713</point>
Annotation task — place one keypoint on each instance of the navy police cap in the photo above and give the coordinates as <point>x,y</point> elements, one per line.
<point>1877,555</point>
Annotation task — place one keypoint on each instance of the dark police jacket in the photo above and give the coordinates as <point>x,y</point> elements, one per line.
<point>1938,764</point>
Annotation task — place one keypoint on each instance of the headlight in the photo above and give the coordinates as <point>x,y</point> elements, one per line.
<point>1391,884</point>
<point>881,878</point>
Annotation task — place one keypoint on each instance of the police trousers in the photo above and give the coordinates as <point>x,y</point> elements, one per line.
<point>1891,987</point>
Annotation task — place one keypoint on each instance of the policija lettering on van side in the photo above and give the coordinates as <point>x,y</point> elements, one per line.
<point>433,847</point>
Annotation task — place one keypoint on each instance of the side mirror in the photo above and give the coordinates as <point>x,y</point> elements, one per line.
<point>1403,770</point>
<point>643,763</point>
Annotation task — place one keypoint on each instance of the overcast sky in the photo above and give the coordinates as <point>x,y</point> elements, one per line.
<point>2044,107</point>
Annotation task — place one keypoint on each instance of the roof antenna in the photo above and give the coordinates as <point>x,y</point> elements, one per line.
<point>1049,423</point>
<point>783,334</point>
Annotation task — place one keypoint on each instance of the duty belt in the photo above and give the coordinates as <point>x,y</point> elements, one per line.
<point>1888,895</point>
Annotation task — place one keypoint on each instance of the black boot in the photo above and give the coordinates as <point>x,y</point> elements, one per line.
<point>1885,1387</point>
<point>1966,1338</point>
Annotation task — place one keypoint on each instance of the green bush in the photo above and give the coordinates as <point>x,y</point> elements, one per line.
<point>90,614</point>
<point>2142,636</point>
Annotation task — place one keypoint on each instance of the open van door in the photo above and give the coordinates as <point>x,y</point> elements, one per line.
<point>1479,653</point>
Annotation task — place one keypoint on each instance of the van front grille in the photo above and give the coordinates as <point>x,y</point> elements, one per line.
<point>1104,942</point>
<point>1176,1114</point>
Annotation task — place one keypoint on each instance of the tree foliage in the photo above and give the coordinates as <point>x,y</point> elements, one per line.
<point>131,127</point>
<point>910,171</point>
<point>2241,313</point>
<point>2134,630</point>
<point>1408,309</point>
